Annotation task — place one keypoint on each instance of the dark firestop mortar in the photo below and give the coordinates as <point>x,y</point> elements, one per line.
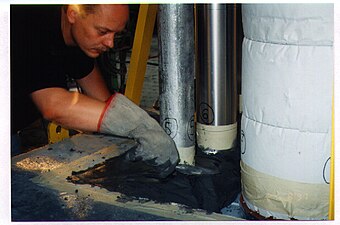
<point>210,192</point>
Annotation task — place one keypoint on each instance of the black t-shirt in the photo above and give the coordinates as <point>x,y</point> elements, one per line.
<point>39,58</point>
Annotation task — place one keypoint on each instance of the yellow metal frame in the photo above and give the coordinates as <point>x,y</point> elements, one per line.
<point>331,185</point>
<point>56,133</point>
<point>140,51</point>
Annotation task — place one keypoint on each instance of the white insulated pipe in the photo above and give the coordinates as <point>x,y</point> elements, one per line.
<point>287,78</point>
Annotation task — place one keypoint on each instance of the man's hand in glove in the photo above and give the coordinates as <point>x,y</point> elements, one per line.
<point>123,118</point>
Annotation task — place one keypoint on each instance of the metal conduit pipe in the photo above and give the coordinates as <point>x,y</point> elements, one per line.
<point>216,76</point>
<point>177,70</point>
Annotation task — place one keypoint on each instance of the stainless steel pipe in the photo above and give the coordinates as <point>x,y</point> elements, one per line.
<point>216,76</point>
<point>177,70</point>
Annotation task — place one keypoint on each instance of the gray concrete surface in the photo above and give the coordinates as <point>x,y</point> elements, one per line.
<point>41,192</point>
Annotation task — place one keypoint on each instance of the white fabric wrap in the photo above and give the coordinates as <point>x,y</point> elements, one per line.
<point>287,75</point>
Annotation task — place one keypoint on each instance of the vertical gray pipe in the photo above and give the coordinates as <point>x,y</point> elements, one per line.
<point>216,76</point>
<point>177,70</point>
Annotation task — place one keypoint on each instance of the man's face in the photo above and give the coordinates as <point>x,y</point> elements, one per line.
<point>94,33</point>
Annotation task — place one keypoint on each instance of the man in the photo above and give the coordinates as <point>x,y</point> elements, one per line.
<point>52,43</point>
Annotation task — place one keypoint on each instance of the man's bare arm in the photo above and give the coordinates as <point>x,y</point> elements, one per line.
<point>94,85</point>
<point>68,109</point>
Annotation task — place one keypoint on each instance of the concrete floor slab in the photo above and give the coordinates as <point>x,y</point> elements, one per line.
<point>41,192</point>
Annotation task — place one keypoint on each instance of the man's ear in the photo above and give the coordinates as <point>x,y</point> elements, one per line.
<point>72,13</point>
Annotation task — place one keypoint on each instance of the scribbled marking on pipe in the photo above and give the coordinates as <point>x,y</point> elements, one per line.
<point>243,142</point>
<point>326,172</point>
<point>191,129</point>
<point>170,126</point>
<point>206,114</point>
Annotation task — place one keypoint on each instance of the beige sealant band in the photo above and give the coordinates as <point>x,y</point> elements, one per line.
<point>216,137</point>
<point>271,195</point>
<point>186,155</point>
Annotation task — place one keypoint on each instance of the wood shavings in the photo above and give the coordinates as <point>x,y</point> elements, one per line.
<point>40,163</point>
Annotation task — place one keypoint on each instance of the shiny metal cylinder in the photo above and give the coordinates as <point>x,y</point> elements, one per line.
<point>217,64</point>
<point>216,77</point>
<point>177,70</point>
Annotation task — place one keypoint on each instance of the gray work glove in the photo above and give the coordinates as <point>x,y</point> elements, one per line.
<point>123,118</point>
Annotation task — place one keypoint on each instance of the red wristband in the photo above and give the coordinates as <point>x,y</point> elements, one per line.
<point>108,102</point>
